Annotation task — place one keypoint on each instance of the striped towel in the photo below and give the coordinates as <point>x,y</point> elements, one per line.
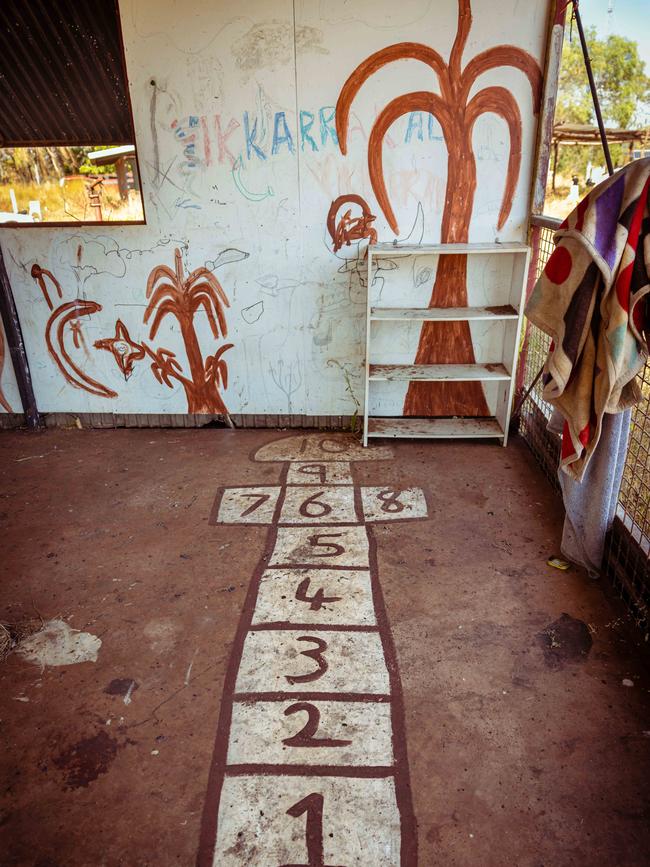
<point>588,301</point>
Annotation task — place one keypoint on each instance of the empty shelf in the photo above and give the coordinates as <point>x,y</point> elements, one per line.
<point>434,428</point>
<point>438,372</point>
<point>442,314</point>
<point>389,249</point>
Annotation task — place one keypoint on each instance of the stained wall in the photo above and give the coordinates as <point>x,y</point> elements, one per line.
<point>240,160</point>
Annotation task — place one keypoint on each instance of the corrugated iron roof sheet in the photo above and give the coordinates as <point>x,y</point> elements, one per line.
<point>62,74</point>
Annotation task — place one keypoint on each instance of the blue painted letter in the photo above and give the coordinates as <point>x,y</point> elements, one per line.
<point>415,126</point>
<point>326,115</point>
<point>281,133</point>
<point>251,135</point>
<point>306,123</point>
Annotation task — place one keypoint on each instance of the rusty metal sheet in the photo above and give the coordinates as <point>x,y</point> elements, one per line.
<point>62,74</point>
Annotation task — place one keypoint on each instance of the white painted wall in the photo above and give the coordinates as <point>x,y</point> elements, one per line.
<point>254,214</point>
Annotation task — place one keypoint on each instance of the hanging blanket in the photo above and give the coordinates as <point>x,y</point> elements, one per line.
<point>588,301</point>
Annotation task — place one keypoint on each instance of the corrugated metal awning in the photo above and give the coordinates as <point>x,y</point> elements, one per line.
<point>62,74</point>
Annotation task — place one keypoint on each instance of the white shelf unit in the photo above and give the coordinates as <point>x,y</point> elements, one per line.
<point>507,310</point>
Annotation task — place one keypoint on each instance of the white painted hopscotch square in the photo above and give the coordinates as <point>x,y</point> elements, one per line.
<point>386,503</point>
<point>326,596</point>
<point>360,821</point>
<point>295,660</point>
<point>313,505</point>
<point>322,545</point>
<point>248,505</point>
<point>348,733</point>
<point>315,473</point>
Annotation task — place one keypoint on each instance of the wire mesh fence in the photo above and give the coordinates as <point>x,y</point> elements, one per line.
<point>627,554</point>
<point>535,411</point>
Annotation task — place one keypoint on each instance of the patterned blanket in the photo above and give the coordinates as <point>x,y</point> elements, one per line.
<point>588,301</point>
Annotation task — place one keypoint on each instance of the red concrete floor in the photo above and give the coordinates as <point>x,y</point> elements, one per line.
<point>524,749</point>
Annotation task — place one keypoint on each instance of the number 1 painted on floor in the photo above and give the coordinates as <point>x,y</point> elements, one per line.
<point>313,806</point>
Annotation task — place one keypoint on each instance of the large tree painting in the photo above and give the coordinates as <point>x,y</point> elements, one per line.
<point>171,293</point>
<point>446,342</point>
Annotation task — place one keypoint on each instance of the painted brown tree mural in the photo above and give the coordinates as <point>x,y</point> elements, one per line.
<point>171,293</point>
<point>446,342</point>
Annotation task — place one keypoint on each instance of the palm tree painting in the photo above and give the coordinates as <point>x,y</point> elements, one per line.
<point>446,342</point>
<point>171,293</point>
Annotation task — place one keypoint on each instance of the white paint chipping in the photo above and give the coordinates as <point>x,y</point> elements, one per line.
<point>56,643</point>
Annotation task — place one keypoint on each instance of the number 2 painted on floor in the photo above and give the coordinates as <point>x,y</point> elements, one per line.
<point>306,737</point>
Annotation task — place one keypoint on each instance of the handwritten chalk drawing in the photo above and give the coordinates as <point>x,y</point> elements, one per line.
<point>310,766</point>
<point>253,312</point>
<point>246,193</point>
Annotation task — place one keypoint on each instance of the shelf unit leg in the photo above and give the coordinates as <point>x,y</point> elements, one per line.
<point>366,362</point>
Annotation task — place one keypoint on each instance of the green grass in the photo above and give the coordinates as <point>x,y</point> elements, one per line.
<point>69,203</point>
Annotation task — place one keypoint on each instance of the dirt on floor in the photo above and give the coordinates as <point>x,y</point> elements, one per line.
<point>527,711</point>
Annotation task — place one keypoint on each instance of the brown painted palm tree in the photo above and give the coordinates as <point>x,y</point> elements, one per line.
<point>171,293</point>
<point>446,342</point>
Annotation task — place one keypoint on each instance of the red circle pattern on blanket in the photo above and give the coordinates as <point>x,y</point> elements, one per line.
<point>558,266</point>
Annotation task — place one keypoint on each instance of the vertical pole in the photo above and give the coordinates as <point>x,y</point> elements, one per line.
<point>547,108</point>
<point>120,167</point>
<point>592,87</point>
<point>16,345</point>
<point>366,361</point>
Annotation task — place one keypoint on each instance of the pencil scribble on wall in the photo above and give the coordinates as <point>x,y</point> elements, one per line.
<point>4,403</point>
<point>65,321</point>
<point>349,228</point>
<point>288,379</point>
<point>446,342</point>
<point>170,292</point>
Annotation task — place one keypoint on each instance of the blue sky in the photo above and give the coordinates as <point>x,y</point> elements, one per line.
<point>629,18</point>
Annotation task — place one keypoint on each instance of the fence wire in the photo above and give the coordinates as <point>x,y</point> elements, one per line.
<point>627,555</point>
<point>535,411</point>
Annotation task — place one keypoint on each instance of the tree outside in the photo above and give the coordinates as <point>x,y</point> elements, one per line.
<point>58,179</point>
<point>624,91</point>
